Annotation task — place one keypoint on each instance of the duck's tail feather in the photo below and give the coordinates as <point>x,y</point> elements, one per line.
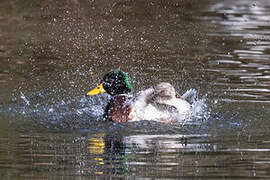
<point>190,96</point>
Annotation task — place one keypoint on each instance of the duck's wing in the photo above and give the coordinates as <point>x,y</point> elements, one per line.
<point>165,107</point>
<point>190,96</point>
<point>143,96</point>
<point>139,104</point>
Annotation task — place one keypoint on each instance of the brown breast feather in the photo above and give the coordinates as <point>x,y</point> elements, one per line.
<point>118,109</point>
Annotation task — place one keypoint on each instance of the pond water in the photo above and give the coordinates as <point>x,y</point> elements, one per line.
<point>53,52</point>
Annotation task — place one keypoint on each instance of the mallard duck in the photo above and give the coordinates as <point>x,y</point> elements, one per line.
<point>117,84</point>
<point>158,103</point>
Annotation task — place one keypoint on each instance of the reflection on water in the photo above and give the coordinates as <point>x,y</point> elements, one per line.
<point>135,156</point>
<point>53,52</point>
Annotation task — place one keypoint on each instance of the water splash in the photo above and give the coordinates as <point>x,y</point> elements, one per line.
<point>40,109</point>
<point>43,109</point>
<point>199,110</point>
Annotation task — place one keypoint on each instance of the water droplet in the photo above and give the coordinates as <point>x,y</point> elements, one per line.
<point>26,101</point>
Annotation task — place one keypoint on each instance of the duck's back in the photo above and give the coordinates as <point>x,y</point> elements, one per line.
<point>166,111</point>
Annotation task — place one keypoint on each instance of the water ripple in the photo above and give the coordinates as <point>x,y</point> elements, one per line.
<point>243,72</point>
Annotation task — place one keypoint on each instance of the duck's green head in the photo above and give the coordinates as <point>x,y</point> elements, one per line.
<point>114,83</point>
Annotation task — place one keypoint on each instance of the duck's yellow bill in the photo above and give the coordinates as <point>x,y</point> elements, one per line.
<point>96,91</point>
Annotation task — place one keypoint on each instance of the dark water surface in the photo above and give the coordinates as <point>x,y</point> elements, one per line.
<point>53,52</point>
